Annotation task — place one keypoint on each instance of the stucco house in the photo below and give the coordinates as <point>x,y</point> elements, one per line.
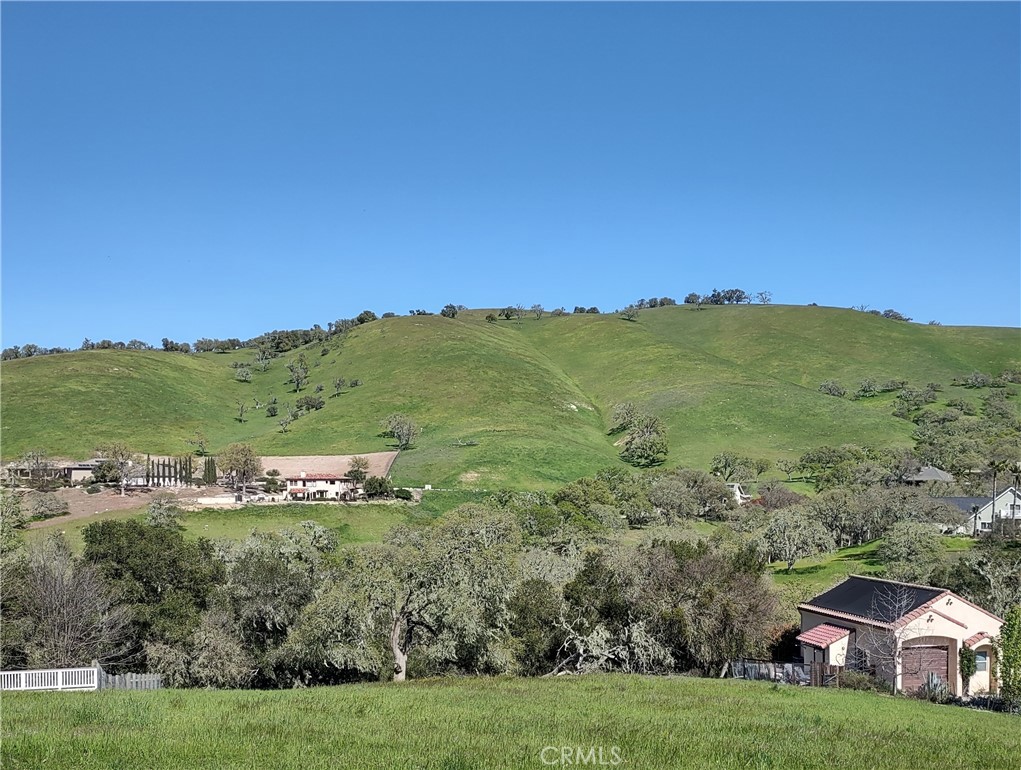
<point>320,486</point>
<point>902,631</point>
<point>985,513</point>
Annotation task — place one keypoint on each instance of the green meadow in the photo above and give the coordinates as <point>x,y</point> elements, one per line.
<point>516,403</point>
<point>505,723</point>
<point>350,522</point>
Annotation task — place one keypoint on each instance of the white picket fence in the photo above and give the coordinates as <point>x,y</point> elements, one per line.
<point>91,678</point>
<point>50,679</point>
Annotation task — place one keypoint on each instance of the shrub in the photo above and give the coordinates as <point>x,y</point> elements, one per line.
<point>92,489</point>
<point>378,486</point>
<point>935,690</point>
<point>863,681</point>
<point>310,403</point>
<point>46,506</point>
<point>832,388</point>
<point>403,494</point>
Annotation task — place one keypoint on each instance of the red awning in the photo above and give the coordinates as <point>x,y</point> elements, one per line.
<point>823,636</point>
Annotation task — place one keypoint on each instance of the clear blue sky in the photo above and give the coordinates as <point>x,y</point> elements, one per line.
<point>195,169</point>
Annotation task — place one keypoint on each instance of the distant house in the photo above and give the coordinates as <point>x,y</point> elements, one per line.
<point>984,512</point>
<point>903,631</point>
<point>320,486</point>
<point>72,472</point>
<point>926,474</point>
<point>740,496</point>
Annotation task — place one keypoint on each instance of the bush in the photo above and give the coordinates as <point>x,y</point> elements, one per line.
<point>46,506</point>
<point>865,682</point>
<point>378,486</point>
<point>403,494</point>
<point>832,388</point>
<point>310,403</point>
<point>935,690</point>
<point>93,489</point>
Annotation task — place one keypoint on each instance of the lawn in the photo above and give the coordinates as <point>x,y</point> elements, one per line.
<point>653,723</point>
<point>352,523</point>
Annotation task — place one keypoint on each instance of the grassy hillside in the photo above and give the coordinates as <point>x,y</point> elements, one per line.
<point>534,394</point>
<point>501,723</point>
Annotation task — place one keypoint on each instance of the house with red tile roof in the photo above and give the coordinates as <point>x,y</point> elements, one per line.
<point>320,486</point>
<point>902,631</point>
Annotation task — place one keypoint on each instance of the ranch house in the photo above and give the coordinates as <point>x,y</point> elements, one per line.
<point>904,632</point>
<point>320,486</point>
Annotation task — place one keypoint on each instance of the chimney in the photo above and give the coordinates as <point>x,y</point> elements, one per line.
<point>303,474</point>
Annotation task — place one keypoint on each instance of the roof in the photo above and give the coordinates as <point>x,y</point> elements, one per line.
<point>873,599</point>
<point>291,467</point>
<point>929,473</point>
<point>823,636</point>
<point>966,504</point>
<point>971,641</point>
<point>317,477</point>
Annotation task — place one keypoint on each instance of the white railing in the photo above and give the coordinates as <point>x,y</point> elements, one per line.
<point>50,679</point>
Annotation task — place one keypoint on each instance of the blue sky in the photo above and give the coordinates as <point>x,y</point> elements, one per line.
<point>196,169</point>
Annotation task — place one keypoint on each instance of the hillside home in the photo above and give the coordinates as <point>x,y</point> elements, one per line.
<point>986,513</point>
<point>72,472</point>
<point>902,631</point>
<point>320,486</point>
<point>740,496</point>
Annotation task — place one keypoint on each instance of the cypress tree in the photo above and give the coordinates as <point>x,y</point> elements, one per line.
<point>148,470</point>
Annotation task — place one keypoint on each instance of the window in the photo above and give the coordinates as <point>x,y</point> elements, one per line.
<point>981,661</point>
<point>986,525</point>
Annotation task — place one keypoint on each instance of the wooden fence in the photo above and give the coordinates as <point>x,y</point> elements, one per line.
<point>85,678</point>
<point>808,674</point>
<point>128,681</point>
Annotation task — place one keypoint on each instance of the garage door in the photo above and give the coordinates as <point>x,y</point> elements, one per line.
<point>917,662</point>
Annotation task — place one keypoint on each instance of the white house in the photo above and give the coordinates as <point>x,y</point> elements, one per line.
<point>740,496</point>
<point>984,513</point>
<point>320,486</point>
<point>903,631</point>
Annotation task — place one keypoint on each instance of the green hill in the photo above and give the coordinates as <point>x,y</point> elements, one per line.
<point>534,394</point>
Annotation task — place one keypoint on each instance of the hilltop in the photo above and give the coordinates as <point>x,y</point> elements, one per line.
<point>535,394</point>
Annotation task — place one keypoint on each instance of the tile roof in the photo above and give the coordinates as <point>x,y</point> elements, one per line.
<point>823,636</point>
<point>971,641</point>
<point>316,477</point>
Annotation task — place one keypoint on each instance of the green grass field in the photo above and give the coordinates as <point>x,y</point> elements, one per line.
<point>654,723</point>
<point>534,395</point>
<point>352,523</point>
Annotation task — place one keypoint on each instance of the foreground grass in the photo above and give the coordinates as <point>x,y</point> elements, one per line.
<point>501,723</point>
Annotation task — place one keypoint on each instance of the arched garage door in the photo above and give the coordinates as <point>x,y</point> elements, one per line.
<point>917,662</point>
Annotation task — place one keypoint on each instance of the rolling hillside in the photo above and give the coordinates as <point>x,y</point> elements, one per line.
<point>534,394</point>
